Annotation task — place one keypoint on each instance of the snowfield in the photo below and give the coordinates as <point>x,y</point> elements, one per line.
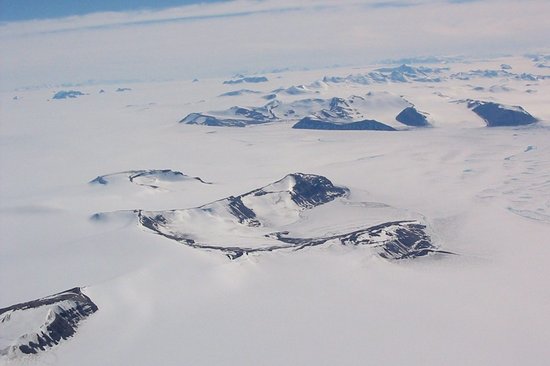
<point>481,193</point>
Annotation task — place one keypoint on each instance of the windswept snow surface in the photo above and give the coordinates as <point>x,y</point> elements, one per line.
<point>483,193</point>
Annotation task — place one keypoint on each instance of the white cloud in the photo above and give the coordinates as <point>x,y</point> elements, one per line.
<point>240,36</point>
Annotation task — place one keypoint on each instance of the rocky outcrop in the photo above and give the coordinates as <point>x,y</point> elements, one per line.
<point>309,123</point>
<point>412,117</point>
<point>38,325</point>
<point>500,115</point>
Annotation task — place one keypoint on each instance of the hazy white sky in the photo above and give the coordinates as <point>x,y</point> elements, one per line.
<point>219,39</point>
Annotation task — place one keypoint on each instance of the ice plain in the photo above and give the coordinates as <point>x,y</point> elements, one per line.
<point>485,193</point>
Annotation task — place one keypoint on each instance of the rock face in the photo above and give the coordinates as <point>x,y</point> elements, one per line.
<point>37,325</point>
<point>306,190</point>
<point>499,115</point>
<point>258,222</point>
<point>309,123</point>
<point>64,94</point>
<point>391,240</point>
<point>411,117</point>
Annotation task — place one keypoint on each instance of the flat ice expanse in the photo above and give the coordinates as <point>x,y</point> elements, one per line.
<point>484,191</point>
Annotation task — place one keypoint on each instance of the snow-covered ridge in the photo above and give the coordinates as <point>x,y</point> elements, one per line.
<point>501,74</point>
<point>422,74</point>
<point>37,325</point>
<point>236,93</point>
<point>272,218</point>
<point>155,178</point>
<point>356,108</point>
<point>312,88</point>
<point>400,74</point>
<point>245,219</point>
<point>246,79</point>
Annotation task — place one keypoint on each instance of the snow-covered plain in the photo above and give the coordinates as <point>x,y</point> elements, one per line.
<point>484,192</point>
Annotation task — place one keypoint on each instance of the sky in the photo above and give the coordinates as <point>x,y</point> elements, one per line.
<point>16,10</point>
<point>218,39</point>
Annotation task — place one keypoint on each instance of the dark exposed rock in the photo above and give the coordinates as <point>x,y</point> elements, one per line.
<point>64,94</point>
<point>497,115</point>
<point>312,190</point>
<point>253,114</point>
<point>307,191</point>
<point>244,214</point>
<point>339,109</point>
<point>392,240</point>
<point>99,180</point>
<point>316,124</point>
<point>411,117</point>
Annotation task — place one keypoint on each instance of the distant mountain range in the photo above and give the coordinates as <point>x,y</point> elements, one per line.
<point>352,113</point>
